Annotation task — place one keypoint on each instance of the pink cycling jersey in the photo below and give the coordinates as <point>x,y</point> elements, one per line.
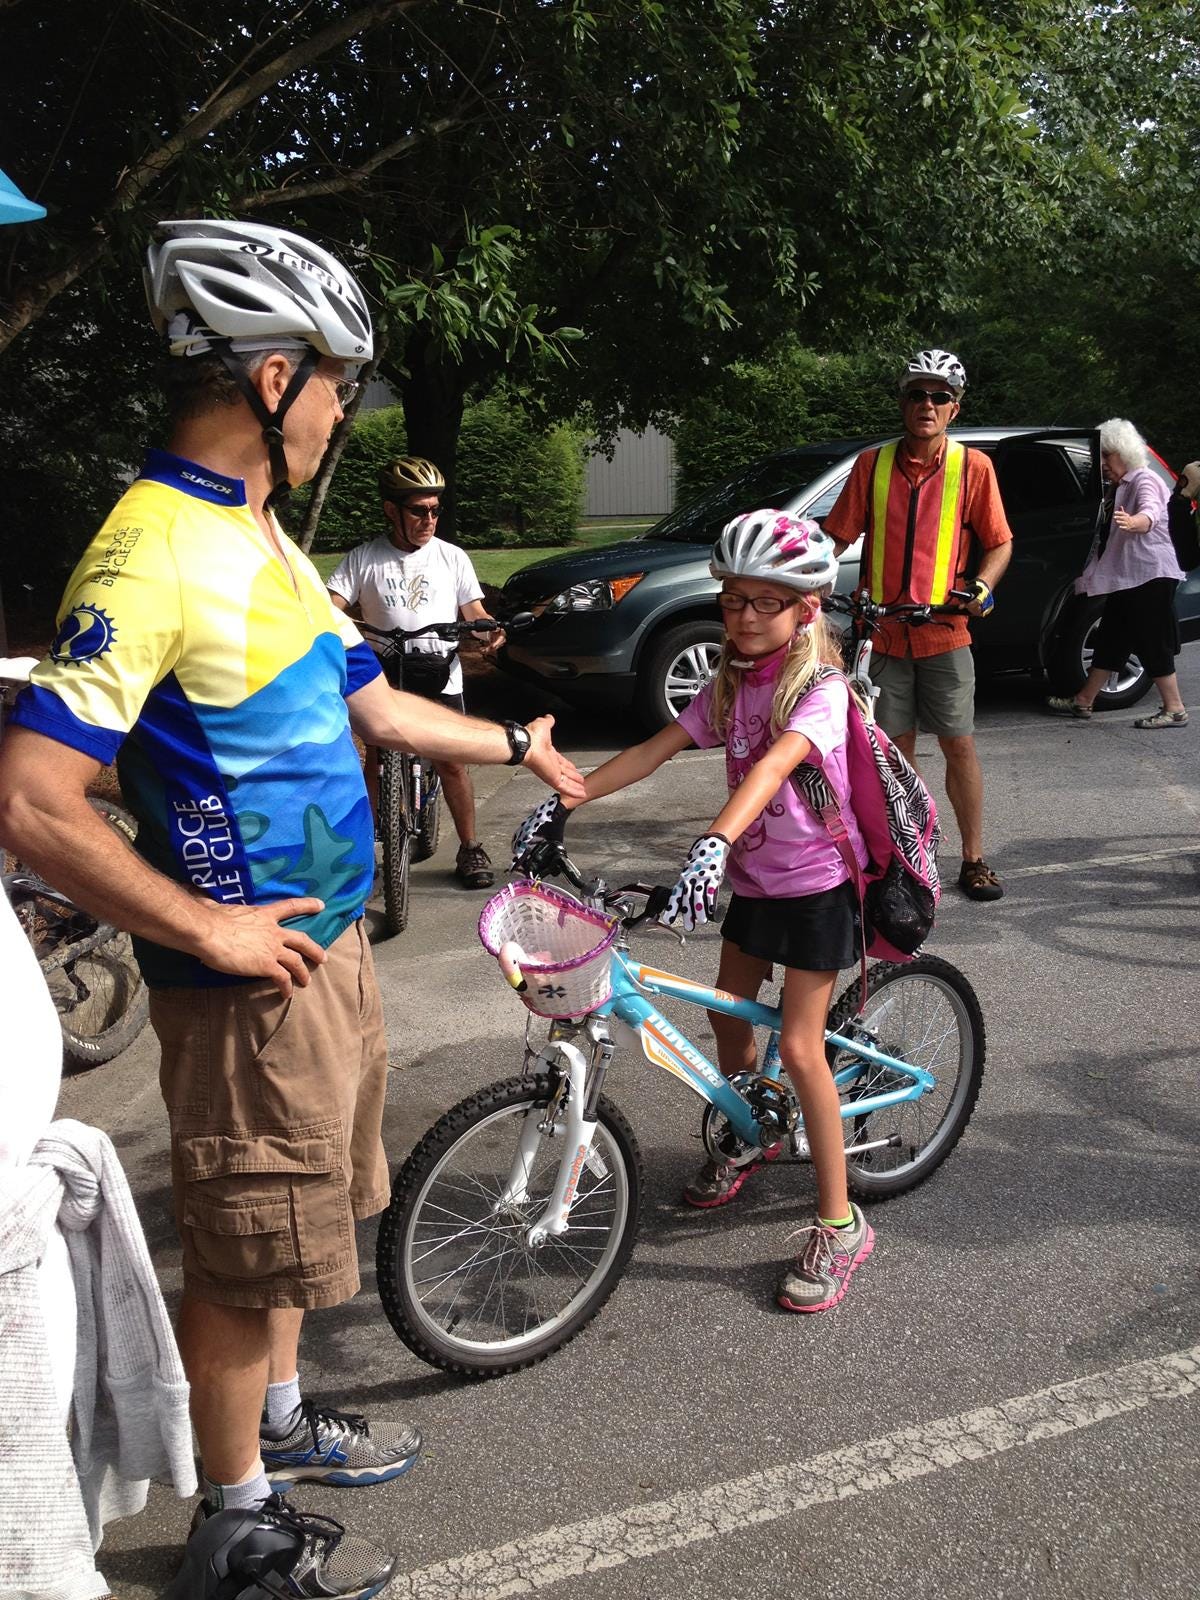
<point>785,851</point>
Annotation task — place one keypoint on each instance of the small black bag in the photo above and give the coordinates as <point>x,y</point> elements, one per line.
<point>1181,521</point>
<point>426,673</point>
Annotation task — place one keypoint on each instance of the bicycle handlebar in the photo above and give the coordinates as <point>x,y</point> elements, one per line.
<point>862,609</point>
<point>450,632</point>
<point>547,858</point>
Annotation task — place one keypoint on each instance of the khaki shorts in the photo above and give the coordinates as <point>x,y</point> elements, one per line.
<point>275,1109</point>
<point>934,693</point>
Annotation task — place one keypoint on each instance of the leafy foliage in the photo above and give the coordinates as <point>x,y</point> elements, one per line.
<point>518,484</point>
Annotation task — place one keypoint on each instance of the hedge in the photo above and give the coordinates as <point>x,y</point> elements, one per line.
<point>516,484</point>
<point>795,396</point>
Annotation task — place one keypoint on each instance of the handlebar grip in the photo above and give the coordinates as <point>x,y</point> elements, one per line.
<point>656,901</point>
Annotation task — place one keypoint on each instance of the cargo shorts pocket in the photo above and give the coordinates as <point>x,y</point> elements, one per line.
<point>259,1206</point>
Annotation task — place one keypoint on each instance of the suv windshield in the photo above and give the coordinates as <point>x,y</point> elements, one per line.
<point>764,483</point>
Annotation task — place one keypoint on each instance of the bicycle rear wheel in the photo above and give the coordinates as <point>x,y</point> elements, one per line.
<point>924,1012</point>
<point>459,1284</point>
<point>89,968</point>
<point>394,780</point>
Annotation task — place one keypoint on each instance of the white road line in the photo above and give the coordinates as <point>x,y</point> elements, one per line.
<point>1104,861</point>
<point>689,1518</point>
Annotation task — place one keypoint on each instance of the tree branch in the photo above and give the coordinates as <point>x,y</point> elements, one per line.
<point>348,180</point>
<point>32,299</point>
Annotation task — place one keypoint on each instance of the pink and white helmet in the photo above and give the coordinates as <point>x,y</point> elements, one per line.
<point>777,548</point>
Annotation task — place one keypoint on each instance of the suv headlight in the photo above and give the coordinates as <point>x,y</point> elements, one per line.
<point>594,594</point>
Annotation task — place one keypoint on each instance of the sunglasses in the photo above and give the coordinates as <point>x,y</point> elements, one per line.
<point>937,397</point>
<point>344,389</point>
<point>767,605</point>
<point>423,513</point>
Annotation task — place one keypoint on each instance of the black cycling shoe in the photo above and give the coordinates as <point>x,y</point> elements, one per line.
<point>276,1551</point>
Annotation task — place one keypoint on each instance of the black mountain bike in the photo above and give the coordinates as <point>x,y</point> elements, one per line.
<point>410,791</point>
<point>88,965</point>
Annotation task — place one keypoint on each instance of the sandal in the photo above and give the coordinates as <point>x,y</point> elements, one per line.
<point>1163,718</point>
<point>978,882</point>
<point>1068,705</point>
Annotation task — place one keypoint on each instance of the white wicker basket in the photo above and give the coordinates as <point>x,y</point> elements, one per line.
<point>566,947</point>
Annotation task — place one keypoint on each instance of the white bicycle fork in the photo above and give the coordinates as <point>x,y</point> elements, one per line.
<point>568,1061</point>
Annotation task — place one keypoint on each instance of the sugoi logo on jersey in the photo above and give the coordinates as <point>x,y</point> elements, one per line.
<point>214,484</point>
<point>87,632</point>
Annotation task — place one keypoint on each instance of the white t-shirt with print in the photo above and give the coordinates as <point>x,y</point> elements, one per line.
<point>398,590</point>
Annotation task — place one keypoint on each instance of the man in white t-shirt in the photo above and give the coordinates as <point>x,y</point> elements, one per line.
<point>406,578</point>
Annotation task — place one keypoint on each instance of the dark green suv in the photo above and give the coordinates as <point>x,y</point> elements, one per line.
<point>635,624</point>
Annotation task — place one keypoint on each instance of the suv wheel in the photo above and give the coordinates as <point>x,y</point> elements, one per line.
<point>1071,659</point>
<point>678,665</point>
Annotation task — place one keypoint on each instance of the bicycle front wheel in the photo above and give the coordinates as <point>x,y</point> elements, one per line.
<point>459,1282</point>
<point>926,1013</point>
<point>431,816</point>
<point>394,771</point>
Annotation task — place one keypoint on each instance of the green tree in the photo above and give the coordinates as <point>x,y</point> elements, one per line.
<point>681,183</point>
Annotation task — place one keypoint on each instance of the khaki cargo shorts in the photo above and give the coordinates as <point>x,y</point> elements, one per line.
<point>275,1109</point>
<point>933,693</point>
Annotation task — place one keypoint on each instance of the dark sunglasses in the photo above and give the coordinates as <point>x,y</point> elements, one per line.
<point>938,397</point>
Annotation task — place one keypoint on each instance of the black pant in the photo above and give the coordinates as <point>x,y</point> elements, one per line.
<point>1139,622</point>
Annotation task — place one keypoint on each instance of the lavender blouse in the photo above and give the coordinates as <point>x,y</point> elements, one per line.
<point>1131,559</point>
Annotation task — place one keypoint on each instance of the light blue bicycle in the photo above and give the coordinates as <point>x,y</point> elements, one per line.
<point>513,1219</point>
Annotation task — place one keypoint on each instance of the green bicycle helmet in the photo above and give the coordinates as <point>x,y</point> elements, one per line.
<point>408,475</point>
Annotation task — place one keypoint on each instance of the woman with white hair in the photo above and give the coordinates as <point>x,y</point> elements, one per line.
<point>1133,563</point>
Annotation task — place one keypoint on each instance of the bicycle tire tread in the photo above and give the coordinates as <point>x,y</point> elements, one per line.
<point>846,1007</point>
<point>446,1132</point>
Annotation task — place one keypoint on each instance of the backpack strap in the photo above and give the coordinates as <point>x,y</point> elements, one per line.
<point>812,783</point>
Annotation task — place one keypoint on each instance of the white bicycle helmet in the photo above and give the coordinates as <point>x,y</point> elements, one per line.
<point>939,364</point>
<point>777,548</point>
<point>261,288</point>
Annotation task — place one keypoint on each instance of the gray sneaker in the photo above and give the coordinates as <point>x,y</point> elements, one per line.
<point>718,1182</point>
<point>818,1277</point>
<point>339,1448</point>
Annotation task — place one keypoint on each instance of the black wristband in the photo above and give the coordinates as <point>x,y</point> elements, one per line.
<point>519,742</point>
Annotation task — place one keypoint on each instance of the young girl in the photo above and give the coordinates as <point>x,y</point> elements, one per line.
<point>792,903</point>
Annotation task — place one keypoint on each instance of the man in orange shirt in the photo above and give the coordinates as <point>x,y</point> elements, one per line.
<point>922,501</point>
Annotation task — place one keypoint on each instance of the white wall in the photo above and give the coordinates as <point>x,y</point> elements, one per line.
<point>639,481</point>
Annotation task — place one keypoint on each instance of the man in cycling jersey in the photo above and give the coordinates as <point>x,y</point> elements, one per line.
<point>406,578</point>
<point>924,502</point>
<point>199,647</point>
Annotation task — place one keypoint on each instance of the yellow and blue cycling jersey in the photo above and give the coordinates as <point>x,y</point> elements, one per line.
<point>217,677</point>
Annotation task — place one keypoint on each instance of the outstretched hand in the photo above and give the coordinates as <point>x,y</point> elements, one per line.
<point>549,764</point>
<point>249,941</point>
<point>693,900</point>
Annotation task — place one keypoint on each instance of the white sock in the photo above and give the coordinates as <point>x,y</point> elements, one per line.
<point>250,1493</point>
<point>281,1412</point>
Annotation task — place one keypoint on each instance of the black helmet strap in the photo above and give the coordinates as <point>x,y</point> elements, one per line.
<point>272,422</point>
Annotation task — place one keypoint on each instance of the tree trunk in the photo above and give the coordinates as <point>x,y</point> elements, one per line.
<point>432,396</point>
<point>333,454</point>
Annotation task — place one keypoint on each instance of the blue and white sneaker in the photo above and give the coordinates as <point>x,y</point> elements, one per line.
<point>339,1448</point>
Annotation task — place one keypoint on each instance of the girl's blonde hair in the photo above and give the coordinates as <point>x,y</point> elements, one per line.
<point>812,647</point>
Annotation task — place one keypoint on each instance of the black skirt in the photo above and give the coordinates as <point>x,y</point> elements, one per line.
<point>812,932</point>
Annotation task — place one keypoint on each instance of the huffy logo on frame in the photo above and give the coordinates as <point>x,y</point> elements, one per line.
<point>86,632</point>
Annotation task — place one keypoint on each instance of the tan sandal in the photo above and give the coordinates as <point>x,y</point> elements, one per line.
<point>1163,718</point>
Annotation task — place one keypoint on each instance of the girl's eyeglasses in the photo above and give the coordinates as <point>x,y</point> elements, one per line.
<point>767,605</point>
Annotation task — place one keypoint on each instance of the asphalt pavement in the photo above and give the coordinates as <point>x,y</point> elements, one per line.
<point>1005,1403</point>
